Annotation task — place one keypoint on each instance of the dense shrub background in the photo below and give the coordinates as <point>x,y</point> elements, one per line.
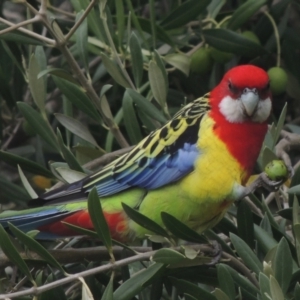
<point>81,79</point>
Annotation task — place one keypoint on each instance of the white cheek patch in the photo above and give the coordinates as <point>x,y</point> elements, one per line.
<point>233,110</point>
<point>263,110</point>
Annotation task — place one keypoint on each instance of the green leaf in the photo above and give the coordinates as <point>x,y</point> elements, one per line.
<point>110,138</point>
<point>276,292</point>
<point>136,59</point>
<point>130,120</point>
<point>266,225</point>
<point>98,219</point>
<point>114,71</point>
<point>85,154</point>
<point>58,73</point>
<point>297,291</point>
<point>108,292</point>
<point>264,240</point>
<point>242,281</point>
<point>77,128</point>
<point>264,284</point>
<point>246,254</point>
<point>225,281</point>
<point>146,106</point>
<point>161,34</point>
<point>136,284</point>
<point>189,297</point>
<point>77,96</point>
<point>245,223</point>
<point>13,254</point>
<point>39,125</point>
<point>136,22</point>
<point>120,18</point>
<point>160,63</point>
<point>230,41</point>
<point>268,212</point>
<point>82,40</point>
<point>214,7</point>
<point>294,182</point>
<point>36,85</point>
<point>296,227</point>
<point>283,265</point>
<point>294,190</point>
<point>244,12</point>
<point>179,61</point>
<point>11,192</point>
<point>180,230</point>
<point>25,164</point>
<point>67,174</point>
<point>158,87</point>
<point>267,156</point>
<point>86,293</point>
<point>184,13</point>
<point>167,256</point>
<point>93,18</point>
<point>82,231</point>
<point>220,295</point>
<point>35,246</point>
<point>67,154</point>
<point>144,221</point>
<point>184,286</point>
<point>280,123</point>
<point>26,184</point>
<point>296,211</point>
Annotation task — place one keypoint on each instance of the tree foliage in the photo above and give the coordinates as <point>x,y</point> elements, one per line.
<point>81,79</point>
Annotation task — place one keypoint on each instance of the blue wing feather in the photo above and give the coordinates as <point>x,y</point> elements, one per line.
<point>165,156</point>
<point>157,172</point>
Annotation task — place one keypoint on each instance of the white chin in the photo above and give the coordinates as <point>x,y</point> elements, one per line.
<point>233,110</point>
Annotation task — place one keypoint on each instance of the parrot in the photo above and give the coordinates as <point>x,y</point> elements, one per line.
<point>193,167</point>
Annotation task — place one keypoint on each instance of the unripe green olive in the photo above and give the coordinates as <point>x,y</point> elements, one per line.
<point>201,61</point>
<point>276,170</point>
<point>278,80</point>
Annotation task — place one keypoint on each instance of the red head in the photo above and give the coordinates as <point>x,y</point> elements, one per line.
<point>243,95</point>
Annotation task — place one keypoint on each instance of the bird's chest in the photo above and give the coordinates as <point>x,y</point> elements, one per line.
<point>217,173</point>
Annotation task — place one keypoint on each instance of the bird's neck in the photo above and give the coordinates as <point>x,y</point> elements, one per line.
<point>243,140</point>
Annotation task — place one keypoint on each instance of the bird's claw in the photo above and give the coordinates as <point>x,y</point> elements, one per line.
<point>216,253</point>
<point>261,181</point>
<point>270,184</point>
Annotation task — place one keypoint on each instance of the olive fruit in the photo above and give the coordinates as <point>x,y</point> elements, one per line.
<point>278,80</point>
<point>276,170</point>
<point>201,61</point>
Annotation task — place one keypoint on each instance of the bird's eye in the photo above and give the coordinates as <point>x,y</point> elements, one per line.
<point>233,89</point>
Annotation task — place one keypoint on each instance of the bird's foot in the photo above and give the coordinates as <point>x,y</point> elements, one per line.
<point>261,181</point>
<point>215,254</point>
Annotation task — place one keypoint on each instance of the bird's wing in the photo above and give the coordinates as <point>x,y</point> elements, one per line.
<point>164,156</point>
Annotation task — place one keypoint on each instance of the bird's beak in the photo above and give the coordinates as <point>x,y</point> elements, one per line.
<point>250,100</point>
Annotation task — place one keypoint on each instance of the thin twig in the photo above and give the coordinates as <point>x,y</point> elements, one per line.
<point>39,37</point>
<point>78,23</point>
<point>237,265</point>
<point>108,267</point>
<point>21,24</point>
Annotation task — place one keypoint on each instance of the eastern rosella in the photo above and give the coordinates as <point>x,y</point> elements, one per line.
<point>193,167</point>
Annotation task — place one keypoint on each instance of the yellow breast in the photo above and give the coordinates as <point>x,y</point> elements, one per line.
<point>216,172</point>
